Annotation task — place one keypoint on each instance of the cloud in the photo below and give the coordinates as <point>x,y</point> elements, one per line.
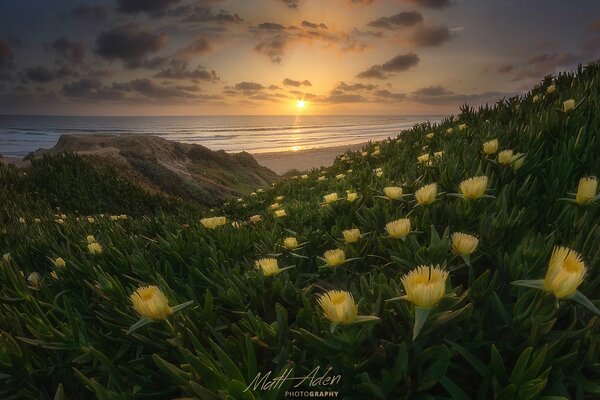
<point>73,52</point>
<point>270,26</point>
<point>128,44</point>
<point>248,86</point>
<point>202,14</point>
<point>390,96</point>
<point>182,72</point>
<point>340,97</point>
<point>200,45</point>
<point>402,19</point>
<point>6,55</point>
<point>312,25</point>
<point>399,63</point>
<point>40,74</point>
<point>153,7</point>
<point>273,47</point>
<point>432,91</point>
<point>90,14</point>
<point>352,87</point>
<point>430,3</point>
<point>429,36</point>
<point>291,3</point>
<point>291,82</point>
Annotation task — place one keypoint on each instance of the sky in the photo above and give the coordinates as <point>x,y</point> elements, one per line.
<point>242,57</point>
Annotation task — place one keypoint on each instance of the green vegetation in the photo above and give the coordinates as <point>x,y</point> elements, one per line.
<point>73,329</point>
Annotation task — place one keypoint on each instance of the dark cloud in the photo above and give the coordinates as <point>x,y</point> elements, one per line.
<point>338,97</point>
<point>128,44</point>
<point>182,72</point>
<point>312,25</point>
<point>90,14</point>
<point>399,63</point>
<point>291,3</point>
<point>153,7</point>
<point>432,91</point>
<point>73,52</point>
<point>273,47</point>
<point>506,68</point>
<point>6,55</point>
<point>352,87</point>
<point>291,82</point>
<point>200,45</point>
<point>248,86</point>
<point>201,14</point>
<point>402,19</point>
<point>430,3</point>
<point>40,74</point>
<point>389,96</point>
<point>429,36</point>
<point>270,26</point>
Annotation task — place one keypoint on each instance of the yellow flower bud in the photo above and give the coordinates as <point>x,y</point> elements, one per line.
<point>340,176</point>
<point>151,302</point>
<point>462,127</point>
<point>425,285</point>
<point>304,176</point>
<point>90,239</point>
<point>280,213</point>
<point>255,218</point>
<point>268,266</point>
<point>393,192</point>
<point>335,258</point>
<point>91,220</point>
<point>568,105</point>
<point>213,222</point>
<point>290,242</point>
<point>399,228</point>
<point>490,147</point>
<point>330,198</point>
<point>321,178</point>
<point>338,306</point>
<point>464,244</point>
<point>351,196</point>
<point>279,198</point>
<point>565,272</point>
<point>449,130</point>
<point>518,160</point>
<point>551,89</point>
<point>474,188</point>
<point>35,280</point>
<point>275,206</point>
<point>430,135</point>
<point>423,158</point>
<point>351,235</point>
<point>505,157</point>
<point>535,98</point>
<point>426,194</point>
<point>59,262</point>
<point>94,248</point>
<point>586,190</point>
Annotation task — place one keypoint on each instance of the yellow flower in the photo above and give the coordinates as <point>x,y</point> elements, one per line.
<point>399,228</point>
<point>279,198</point>
<point>423,158</point>
<point>426,194</point>
<point>275,206</point>
<point>259,190</point>
<point>6,257</point>
<point>351,196</point>
<point>375,153</point>
<point>338,306</point>
<point>239,199</point>
<point>290,242</point>
<point>462,127</point>
<point>304,176</point>
<point>340,176</point>
<point>90,239</point>
<point>430,135</point>
<point>393,192</point>
<point>490,147</point>
<point>53,274</point>
<point>21,220</point>
<point>59,262</point>
<point>438,154</point>
<point>518,160</point>
<point>60,221</point>
<point>425,285</point>
<point>255,218</point>
<point>474,188</point>
<point>114,217</point>
<point>586,190</point>
<point>351,235</point>
<point>505,157</point>
<point>94,248</point>
<point>236,224</point>
<point>37,220</point>
<point>151,302</point>
<point>565,272</point>
<point>464,244</point>
<point>330,198</point>
<point>213,222</point>
<point>535,98</point>
<point>91,220</point>
<point>379,174</point>
<point>335,258</point>
<point>449,130</point>
<point>551,89</point>
<point>364,153</point>
<point>35,280</point>
<point>268,266</point>
<point>280,213</point>
<point>568,105</point>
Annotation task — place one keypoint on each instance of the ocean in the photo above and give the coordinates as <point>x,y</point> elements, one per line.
<point>20,135</point>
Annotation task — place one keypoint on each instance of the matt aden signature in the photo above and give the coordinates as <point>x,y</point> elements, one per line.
<point>264,382</point>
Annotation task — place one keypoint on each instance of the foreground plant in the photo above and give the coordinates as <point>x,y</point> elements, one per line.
<point>339,307</point>
<point>213,222</point>
<point>474,188</point>
<point>151,304</point>
<point>269,266</point>
<point>398,229</point>
<point>425,286</point>
<point>566,271</point>
<point>464,245</point>
<point>426,194</point>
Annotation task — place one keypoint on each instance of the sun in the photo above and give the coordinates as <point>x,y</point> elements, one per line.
<point>300,104</point>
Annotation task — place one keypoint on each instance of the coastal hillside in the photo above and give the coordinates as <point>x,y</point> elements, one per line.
<point>458,260</point>
<point>188,171</point>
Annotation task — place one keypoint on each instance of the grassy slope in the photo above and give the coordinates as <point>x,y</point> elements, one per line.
<point>72,331</point>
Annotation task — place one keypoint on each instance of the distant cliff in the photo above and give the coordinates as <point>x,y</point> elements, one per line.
<point>189,171</point>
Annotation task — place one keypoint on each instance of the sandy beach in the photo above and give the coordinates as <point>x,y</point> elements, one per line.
<point>283,161</point>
